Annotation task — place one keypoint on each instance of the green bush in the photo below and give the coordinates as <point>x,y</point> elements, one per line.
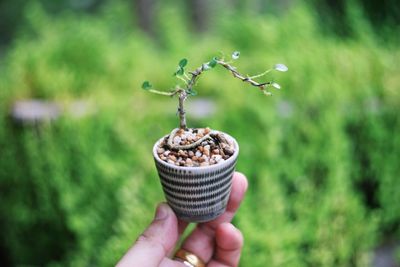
<point>321,155</point>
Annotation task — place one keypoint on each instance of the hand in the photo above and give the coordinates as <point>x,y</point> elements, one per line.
<point>217,243</point>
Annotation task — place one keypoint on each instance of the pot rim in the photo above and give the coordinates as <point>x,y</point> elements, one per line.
<point>210,167</point>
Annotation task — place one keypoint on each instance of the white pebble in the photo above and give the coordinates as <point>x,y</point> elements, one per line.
<point>177,140</point>
<point>198,154</point>
<point>217,158</point>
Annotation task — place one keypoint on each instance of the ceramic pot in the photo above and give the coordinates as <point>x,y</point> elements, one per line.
<point>197,194</point>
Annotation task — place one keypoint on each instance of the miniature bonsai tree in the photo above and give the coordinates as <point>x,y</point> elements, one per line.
<point>186,89</point>
<point>199,194</point>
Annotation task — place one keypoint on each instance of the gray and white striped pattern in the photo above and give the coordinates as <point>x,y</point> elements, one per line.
<point>197,194</point>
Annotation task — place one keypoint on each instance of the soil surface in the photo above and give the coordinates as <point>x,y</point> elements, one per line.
<point>195,148</point>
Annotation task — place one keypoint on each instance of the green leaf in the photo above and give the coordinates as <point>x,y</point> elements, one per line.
<point>191,92</point>
<point>213,62</point>
<point>146,85</point>
<point>183,62</point>
<point>235,55</point>
<point>276,85</point>
<point>180,71</point>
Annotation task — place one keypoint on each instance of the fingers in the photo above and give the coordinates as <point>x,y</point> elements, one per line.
<point>155,242</point>
<point>229,243</point>
<point>239,188</point>
<point>201,240</point>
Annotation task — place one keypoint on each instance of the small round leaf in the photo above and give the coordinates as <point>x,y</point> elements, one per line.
<point>212,63</point>
<point>146,85</point>
<point>235,55</point>
<point>191,92</point>
<point>183,62</point>
<point>276,85</point>
<point>281,67</point>
<point>267,93</point>
<point>180,71</point>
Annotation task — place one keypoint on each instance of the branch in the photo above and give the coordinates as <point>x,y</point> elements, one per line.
<point>250,80</point>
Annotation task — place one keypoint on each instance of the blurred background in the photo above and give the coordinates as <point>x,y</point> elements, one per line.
<point>322,155</point>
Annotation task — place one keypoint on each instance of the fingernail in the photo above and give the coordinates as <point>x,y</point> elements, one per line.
<point>162,212</point>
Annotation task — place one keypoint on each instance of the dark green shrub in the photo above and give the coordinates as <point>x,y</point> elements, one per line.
<point>77,191</point>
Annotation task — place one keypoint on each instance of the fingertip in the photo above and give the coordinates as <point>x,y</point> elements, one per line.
<point>242,180</point>
<point>228,237</point>
<point>229,243</point>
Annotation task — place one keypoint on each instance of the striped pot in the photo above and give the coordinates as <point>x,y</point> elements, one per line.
<point>197,194</point>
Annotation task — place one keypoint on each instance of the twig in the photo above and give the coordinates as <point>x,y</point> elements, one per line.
<point>250,80</point>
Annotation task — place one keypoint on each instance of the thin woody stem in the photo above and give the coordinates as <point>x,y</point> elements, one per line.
<point>172,93</point>
<point>195,74</point>
<point>182,97</point>
<point>181,110</point>
<point>250,80</point>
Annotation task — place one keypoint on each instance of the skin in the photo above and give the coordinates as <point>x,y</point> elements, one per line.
<point>218,243</point>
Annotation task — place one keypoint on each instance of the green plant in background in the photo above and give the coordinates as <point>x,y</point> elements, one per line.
<point>191,81</point>
<point>322,161</point>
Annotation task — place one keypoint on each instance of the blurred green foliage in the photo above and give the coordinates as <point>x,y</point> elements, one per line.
<point>322,155</point>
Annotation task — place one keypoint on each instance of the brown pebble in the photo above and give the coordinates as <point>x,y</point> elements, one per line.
<point>172,157</point>
<point>160,150</point>
<point>204,164</point>
<point>190,153</point>
<point>200,148</point>
<point>194,158</point>
<point>206,152</point>
<point>215,151</point>
<point>201,159</point>
<point>229,151</point>
<point>182,153</point>
<point>171,162</point>
<point>206,130</point>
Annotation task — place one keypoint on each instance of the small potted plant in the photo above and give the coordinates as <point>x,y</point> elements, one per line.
<point>196,165</point>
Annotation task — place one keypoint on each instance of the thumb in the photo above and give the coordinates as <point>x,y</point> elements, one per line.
<point>156,241</point>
